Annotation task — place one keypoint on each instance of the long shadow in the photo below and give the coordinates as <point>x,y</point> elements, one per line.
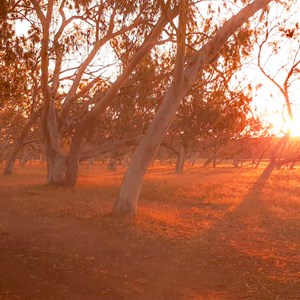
<point>216,264</point>
<point>252,202</point>
<point>234,248</point>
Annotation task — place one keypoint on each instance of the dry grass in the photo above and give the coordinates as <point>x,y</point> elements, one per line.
<point>187,232</point>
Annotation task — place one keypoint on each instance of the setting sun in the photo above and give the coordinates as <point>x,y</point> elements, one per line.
<point>280,127</point>
<point>293,127</point>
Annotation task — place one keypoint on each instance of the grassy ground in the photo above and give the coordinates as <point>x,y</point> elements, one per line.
<point>206,234</point>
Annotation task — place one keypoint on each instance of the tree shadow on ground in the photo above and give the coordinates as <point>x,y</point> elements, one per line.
<point>244,254</point>
<point>252,203</point>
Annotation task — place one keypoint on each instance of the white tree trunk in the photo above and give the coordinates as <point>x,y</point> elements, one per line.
<point>56,164</point>
<point>126,203</point>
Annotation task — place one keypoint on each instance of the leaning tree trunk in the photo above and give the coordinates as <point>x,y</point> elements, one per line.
<point>10,163</point>
<point>273,156</point>
<point>20,144</point>
<point>126,203</point>
<point>180,160</point>
<point>127,200</point>
<point>262,155</point>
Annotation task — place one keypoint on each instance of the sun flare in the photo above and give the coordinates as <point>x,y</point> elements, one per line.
<point>280,125</point>
<point>293,127</point>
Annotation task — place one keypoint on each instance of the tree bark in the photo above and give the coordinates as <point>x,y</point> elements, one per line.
<point>56,164</point>
<point>104,101</point>
<point>126,203</point>
<point>180,160</point>
<point>56,160</point>
<point>73,162</point>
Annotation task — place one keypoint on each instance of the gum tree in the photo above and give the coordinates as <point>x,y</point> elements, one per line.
<point>185,74</point>
<point>71,38</point>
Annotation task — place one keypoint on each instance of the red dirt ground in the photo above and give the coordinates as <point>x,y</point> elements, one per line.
<point>60,244</point>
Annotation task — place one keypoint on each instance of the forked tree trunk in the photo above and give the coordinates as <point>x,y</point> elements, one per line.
<point>72,169</point>
<point>127,200</point>
<point>104,101</point>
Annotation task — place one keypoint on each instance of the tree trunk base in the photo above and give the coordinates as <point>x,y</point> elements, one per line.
<point>123,208</point>
<point>56,170</point>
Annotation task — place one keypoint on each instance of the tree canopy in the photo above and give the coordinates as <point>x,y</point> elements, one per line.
<point>89,77</point>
